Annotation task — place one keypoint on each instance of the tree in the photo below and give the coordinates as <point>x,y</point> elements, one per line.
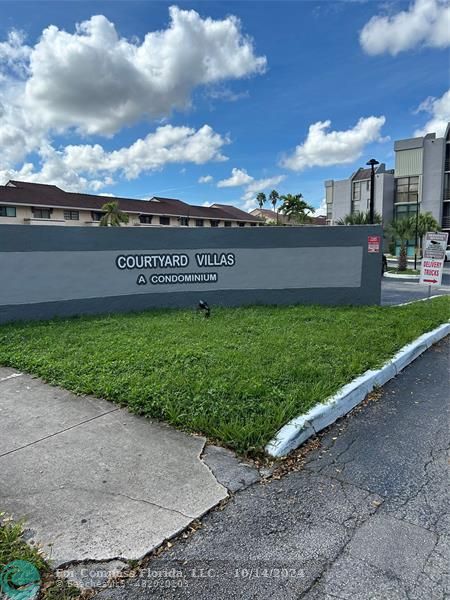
<point>359,218</point>
<point>261,199</point>
<point>274,196</point>
<point>295,208</point>
<point>425,222</point>
<point>402,231</point>
<point>113,216</point>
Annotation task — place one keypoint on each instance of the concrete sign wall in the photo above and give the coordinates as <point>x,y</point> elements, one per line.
<point>64,271</point>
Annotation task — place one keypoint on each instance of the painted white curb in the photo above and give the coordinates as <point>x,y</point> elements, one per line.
<point>419,300</point>
<point>399,276</point>
<point>301,428</point>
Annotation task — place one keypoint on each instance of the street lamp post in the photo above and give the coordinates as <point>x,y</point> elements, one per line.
<point>417,233</point>
<point>372,162</point>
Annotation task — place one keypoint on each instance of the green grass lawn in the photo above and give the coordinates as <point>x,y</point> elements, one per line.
<point>236,377</point>
<point>13,547</point>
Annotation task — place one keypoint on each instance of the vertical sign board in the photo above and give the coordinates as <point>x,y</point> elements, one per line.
<point>433,258</point>
<point>373,244</point>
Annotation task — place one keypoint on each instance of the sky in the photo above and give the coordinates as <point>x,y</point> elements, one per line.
<point>216,101</point>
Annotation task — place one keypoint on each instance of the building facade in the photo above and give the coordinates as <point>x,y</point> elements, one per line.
<point>352,195</point>
<point>23,203</point>
<point>420,182</point>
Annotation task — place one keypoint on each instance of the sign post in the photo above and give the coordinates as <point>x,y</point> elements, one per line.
<point>433,259</point>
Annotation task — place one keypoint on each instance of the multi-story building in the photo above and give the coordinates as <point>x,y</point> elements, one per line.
<point>420,183</point>
<point>347,196</point>
<point>23,203</point>
<point>422,177</point>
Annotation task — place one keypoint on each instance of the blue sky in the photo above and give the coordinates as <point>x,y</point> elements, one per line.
<point>258,75</point>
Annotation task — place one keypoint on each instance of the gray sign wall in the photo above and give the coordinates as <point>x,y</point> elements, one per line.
<point>62,271</point>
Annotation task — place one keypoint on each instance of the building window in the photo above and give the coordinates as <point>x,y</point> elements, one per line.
<point>252,224</point>
<point>241,224</point>
<point>145,219</point>
<point>227,224</point>
<point>71,215</point>
<point>42,213</point>
<point>214,223</point>
<point>199,222</point>
<point>356,196</point>
<point>446,215</point>
<point>184,222</point>
<point>7,211</point>
<point>402,211</point>
<point>447,186</point>
<point>407,189</point>
<point>96,216</point>
<point>164,220</point>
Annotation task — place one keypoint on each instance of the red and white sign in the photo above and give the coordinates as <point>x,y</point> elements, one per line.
<point>373,243</point>
<point>433,258</point>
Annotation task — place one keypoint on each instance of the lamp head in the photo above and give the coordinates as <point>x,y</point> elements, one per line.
<point>372,162</point>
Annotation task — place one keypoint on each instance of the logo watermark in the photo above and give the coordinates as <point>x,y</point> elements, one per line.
<point>20,580</point>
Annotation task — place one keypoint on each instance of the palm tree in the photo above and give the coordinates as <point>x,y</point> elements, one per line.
<point>359,218</point>
<point>261,199</point>
<point>425,222</point>
<point>274,196</point>
<point>295,208</point>
<point>402,231</point>
<point>113,216</point>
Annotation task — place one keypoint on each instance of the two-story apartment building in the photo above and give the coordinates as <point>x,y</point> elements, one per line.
<point>23,203</point>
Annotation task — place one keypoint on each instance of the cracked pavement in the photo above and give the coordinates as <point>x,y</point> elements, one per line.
<point>366,518</point>
<point>93,481</point>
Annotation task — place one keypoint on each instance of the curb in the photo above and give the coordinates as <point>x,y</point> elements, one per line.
<point>297,431</point>
<point>398,276</point>
<point>419,300</point>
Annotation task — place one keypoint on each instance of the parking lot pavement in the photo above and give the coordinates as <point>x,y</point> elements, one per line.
<point>367,518</point>
<point>394,291</point>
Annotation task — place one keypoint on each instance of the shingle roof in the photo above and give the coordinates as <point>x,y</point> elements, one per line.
<point>362,174</point>
<point>38,194</point>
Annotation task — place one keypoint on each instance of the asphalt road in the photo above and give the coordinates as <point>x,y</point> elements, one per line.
<point>395,291</point>
<point>366,518</point>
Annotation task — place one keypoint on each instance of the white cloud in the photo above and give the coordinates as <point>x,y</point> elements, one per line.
<point>98,82</point>
<point>91,167</point>
<point>439,109</point>
<point>322,210</point>
<point>323,148</point>
<point>259,185</point>
<point>238,177</point>
<point>14,54</point>
<point>205,179</point>
<point>425,23</point>
<point>226,95</point>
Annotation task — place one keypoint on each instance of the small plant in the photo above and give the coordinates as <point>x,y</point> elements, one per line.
<point>359,218</point>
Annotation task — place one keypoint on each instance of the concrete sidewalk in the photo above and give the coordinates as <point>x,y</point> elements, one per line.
<point>96,482</point>
<point>366,518</point>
